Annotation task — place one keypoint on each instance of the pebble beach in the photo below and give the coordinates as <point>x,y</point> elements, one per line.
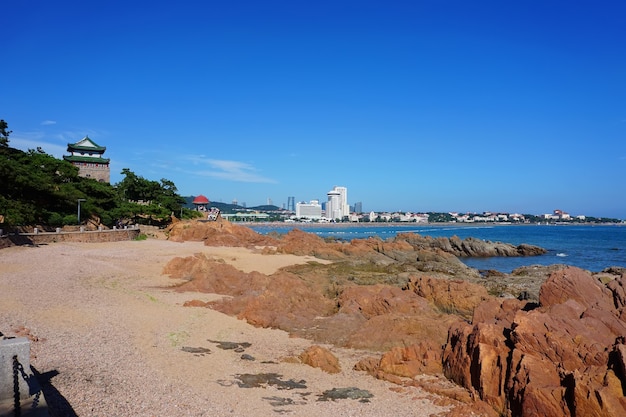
<point>109,337</point>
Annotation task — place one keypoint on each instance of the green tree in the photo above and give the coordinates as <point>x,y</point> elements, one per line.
<point>4,133</point>
<point>38,189</point>
<point>147,201</point>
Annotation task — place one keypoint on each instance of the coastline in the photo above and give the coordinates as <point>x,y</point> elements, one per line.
<point>406,224</point>
<point>110,335</point>
<point>592,247</point>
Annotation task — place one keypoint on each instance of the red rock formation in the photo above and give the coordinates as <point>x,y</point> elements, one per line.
<point>217,233</point>
<point>381,317</point>
<point>453,296</point>
<point>408,362</point>
<point>281,300</point>
<point>563,358</point>
<point>322,358</point>
<point>297,242</point>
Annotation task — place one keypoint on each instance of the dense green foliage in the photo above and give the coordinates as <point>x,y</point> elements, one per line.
<point>4,133</point>
<point>39,189</point>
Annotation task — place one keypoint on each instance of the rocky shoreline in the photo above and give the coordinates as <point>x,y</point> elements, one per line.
<point>411,299</point>
<point>224,321</point>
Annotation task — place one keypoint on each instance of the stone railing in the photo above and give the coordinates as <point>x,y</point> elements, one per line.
<point>82,235</point>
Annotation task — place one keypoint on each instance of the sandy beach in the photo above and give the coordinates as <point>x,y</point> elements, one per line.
<point>113,340</point>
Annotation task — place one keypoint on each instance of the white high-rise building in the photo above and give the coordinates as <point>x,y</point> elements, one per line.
<point>311,210</point>
<point>337,205</point>
<point>345,207</point>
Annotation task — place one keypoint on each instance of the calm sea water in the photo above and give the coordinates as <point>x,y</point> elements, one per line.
<point>589,247</point>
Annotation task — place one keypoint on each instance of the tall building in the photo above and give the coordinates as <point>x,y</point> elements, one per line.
<point>312,210</point>
<point>87,156</point>
<point>291,203</point>
<point>345,207</point>
<point>337,205</point>
<point>358,207</point>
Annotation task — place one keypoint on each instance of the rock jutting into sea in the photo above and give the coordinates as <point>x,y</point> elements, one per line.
<point>543,341</point>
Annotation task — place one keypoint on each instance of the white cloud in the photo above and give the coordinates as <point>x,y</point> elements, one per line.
<point>33,142</point>
<point>229,170</point>
<point>48,122</point>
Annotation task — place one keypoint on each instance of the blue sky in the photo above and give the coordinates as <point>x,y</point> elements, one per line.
<point>510,106</point>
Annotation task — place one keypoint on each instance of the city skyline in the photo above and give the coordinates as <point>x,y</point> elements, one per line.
<point>441,106</point>
<point>315,208</point>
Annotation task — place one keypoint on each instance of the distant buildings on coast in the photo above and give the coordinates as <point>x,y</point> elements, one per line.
<point>557,216</point>
<point>336,209</point>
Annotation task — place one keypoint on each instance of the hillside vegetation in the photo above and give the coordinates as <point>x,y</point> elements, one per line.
<point>39,189</point>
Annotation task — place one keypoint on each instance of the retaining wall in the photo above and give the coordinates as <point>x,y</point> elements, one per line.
<point>94,236</point>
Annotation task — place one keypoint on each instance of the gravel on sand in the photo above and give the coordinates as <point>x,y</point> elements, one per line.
<point>110,339</point>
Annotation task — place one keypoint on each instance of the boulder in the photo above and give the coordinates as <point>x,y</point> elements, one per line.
<point>411,361</point>
<point>322,358</point>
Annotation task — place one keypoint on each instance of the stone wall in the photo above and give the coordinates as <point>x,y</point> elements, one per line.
<point>97,172</point>
<point>60,236</point>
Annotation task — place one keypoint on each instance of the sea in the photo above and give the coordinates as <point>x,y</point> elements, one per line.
<point>590,247</point>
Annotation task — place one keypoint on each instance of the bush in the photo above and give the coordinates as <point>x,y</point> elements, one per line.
<point>55,219</point>
<point>70,219</point>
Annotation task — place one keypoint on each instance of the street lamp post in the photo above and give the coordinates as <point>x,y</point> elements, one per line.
<point>79,200</point>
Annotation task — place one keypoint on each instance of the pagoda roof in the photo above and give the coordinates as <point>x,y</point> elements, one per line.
<point>86,144</point>
<point>90,159</point>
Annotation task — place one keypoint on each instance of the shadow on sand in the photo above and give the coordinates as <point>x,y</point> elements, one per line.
<point>57,404</point>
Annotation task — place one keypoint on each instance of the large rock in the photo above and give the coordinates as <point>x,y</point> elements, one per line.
<point>281,300</point>
<point>300,243</point>
<point>379,317</point>
<point>564,357</point>
<point>407,362</point>
<point>469,246</point>
<point>217,233</point>
<point>322,358</point>
<point>450,296</point>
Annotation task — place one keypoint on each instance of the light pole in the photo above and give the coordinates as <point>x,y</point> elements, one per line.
<point>79,200</point>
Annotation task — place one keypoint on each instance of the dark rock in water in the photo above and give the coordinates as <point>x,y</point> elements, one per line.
<point>344,393</point>
<point>469,247</point>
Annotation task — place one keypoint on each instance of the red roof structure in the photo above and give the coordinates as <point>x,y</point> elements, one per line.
<point>200,200</point>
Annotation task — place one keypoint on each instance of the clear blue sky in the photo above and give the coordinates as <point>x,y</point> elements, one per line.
<point>510,106</point>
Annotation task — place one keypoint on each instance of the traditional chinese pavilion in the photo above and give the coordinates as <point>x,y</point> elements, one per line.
<point>87,156</point>
<point>200,203</point>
